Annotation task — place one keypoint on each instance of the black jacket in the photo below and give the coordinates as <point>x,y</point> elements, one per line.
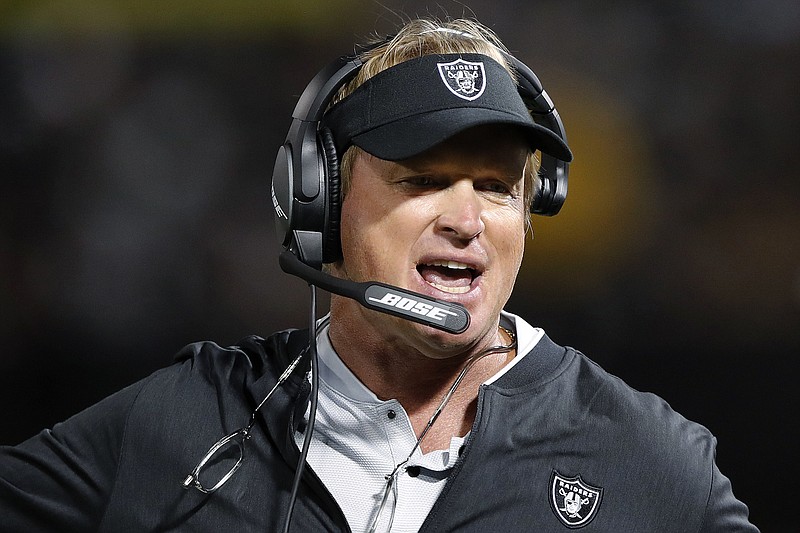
<point>557,443</point>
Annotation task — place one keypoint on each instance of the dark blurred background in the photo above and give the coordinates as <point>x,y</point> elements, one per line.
<point>137,141</point>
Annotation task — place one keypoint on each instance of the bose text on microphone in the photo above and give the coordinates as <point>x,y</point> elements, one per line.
<point>446,316</point>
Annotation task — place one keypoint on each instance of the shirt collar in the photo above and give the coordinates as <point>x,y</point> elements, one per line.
<point>335,373</point>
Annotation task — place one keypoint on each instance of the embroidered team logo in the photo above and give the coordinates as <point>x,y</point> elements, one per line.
<point>574,501</point>
<point>465,79</point>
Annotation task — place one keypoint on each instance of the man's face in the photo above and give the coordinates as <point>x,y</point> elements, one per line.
<point>449,224</point>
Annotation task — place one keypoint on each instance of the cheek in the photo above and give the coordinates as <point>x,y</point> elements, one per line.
<point>353,235</point>
<point>509,246</point>
<point>367,238</point>
<point>515,254</point>
<point>509,235</point>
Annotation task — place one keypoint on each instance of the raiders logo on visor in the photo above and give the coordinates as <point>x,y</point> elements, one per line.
<point>465,79</point>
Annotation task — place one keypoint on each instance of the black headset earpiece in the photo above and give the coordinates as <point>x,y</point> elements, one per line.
<point>331,244</point>
<point>553,173</point>
<point>305,179</point>
<point>306,186</point>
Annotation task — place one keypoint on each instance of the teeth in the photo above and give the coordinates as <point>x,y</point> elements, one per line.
<point>451,264</point>
<point>451,290</point>
<point>455,265</point>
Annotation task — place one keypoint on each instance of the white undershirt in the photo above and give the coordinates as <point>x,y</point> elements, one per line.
<point>358,439</point>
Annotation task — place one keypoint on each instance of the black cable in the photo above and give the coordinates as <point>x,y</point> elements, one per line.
<point>301,462</point>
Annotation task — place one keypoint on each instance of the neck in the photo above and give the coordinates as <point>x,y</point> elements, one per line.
<point>394,368</point>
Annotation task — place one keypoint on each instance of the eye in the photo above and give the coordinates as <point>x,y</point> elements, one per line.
<point>498,187</point>
<point>420,182</point>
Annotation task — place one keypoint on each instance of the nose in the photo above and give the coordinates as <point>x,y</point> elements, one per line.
<point>460,212</point>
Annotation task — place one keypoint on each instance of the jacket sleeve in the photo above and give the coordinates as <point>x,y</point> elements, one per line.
<point>724,513</point>
<point>60,479</point>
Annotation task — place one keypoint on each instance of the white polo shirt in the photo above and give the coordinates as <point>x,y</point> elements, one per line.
<point>358,439</point>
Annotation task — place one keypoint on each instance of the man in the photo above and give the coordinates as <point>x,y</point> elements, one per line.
<point>494,428</point>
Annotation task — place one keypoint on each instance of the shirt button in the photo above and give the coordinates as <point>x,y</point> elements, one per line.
<point>413,471</point>
<point>391,414</point>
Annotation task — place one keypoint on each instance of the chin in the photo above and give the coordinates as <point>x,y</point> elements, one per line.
<point>438,344</point>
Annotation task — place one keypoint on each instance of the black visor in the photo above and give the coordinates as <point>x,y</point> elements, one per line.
<point>415,105</point>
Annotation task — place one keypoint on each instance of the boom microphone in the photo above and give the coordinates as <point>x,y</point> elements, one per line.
<point>446,316</point>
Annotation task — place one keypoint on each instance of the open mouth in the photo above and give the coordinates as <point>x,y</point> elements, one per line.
<point>448,276</point>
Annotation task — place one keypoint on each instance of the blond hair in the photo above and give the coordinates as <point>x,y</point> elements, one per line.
<point>423,37</point>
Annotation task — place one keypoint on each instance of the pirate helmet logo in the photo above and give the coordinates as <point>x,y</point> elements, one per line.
<point>574,501</point>
<point>465,79</point>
